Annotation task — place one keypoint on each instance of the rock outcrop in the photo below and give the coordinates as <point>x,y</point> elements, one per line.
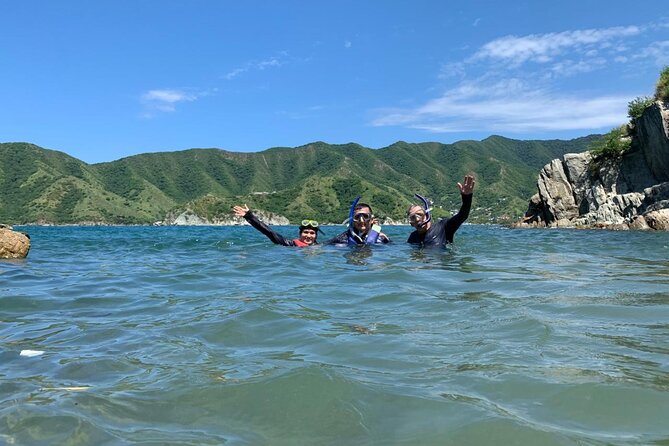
<point>13,244</point>
<point>190,218</point>
<point>628,193</point>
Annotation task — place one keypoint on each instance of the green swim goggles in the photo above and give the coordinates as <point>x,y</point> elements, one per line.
<point>312,223</point>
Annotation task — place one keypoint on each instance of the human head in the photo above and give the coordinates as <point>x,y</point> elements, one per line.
<point>417,217</point>
<point>309,231</point>
<point>362,218</point>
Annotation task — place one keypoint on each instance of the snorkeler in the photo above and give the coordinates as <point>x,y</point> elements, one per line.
<point>308,229</point>
<point>363,228</point>
<point>429,233</point>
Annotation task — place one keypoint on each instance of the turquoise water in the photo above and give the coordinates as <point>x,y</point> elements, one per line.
<point>211,335</point>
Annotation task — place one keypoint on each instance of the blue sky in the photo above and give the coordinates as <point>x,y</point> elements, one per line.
<point>101,80</point>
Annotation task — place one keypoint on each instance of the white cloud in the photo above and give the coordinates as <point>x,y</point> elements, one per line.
<point>659,51</point>
<point>571,68</point>
<point>274,61</point>
<point>165,101</point>
<point>663,23</point>
<point>348,44</point>
<point>508,106</point>
<point>452,69</point>
<point>236,72</point>
<point>271,62</point>
<point>510,98</point>
<point>544,48</point>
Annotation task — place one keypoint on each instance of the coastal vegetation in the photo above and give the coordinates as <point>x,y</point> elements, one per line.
<point>637,106</point>
<point>618,141</point>
<point>612,145</point>
<point>317,180</point>
<point>662,88</point>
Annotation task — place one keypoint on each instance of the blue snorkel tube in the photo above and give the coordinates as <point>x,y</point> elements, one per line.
<point>355,239</point>
<point>426,208</point>
<point>352,211</point>
<point>352,235</point>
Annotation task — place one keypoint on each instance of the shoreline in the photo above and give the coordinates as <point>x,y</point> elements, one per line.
<point>93,225</point>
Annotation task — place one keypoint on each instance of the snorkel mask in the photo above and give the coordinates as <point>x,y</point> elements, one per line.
<point>426,208</point>
<point>353,237</point>
<point>310,224</point>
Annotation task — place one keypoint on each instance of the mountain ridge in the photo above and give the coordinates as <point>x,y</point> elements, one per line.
<point>316,180</point>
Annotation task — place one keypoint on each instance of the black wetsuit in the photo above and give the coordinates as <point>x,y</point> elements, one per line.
<point>441,233</point>
<point>273,236</point>
<point>342,239</point>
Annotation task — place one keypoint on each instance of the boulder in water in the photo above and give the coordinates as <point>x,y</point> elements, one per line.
<point>13,244</point>
<point>658,220</point>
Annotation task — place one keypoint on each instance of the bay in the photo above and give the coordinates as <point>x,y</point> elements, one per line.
<point>212,335</point>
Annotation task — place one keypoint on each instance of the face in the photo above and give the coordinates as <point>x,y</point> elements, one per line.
<point>416,216</point>
<point>308,236</point>
<point>362,220</point>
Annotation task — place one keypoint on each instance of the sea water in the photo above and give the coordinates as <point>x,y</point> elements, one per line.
<point>212,335</point>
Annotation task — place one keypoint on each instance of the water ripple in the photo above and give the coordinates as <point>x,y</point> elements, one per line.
<point>213,335</point>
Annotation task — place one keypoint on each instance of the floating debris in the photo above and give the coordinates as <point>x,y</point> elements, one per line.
<point>69,388</point>
<point>31,353</point>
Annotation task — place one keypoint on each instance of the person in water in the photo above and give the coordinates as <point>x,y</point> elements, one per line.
<point>430,233</point>
<point>308,229</point>
<point>362,229</point>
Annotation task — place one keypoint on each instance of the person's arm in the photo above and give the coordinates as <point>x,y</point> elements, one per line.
<point>338,240</point>
<point>275,237</point>
<point>458,219</point>
<point>453,223</point>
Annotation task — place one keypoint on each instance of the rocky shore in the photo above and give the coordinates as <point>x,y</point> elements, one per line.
<point>190,218</point>
<point>632,192</point>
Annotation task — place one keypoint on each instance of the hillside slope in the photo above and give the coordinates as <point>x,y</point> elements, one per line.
<point>317,180</point>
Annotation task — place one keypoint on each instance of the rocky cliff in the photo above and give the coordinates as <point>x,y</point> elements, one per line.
<point>631,192</point>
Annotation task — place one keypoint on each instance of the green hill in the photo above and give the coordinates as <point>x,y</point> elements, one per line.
<point>317,180</point>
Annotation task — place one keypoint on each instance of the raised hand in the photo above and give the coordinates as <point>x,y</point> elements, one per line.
<point>468,187</point>
<point>240,211</point>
